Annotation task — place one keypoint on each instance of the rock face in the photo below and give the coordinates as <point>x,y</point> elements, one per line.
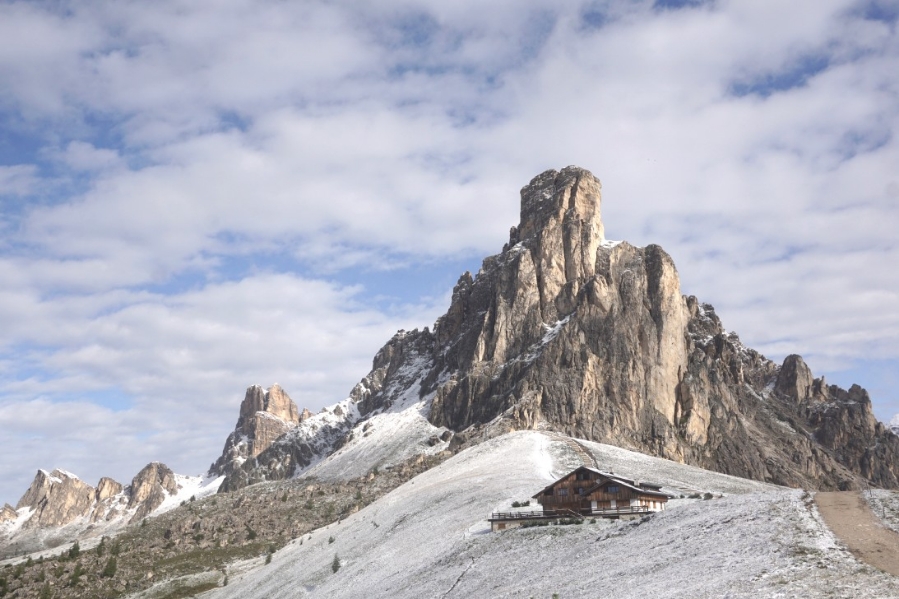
<point>149,489</point>
<point>7,513</point>
<point>57,498</point>
<point>60,498</point>
<point>564,330</point>
<point>265,415</point>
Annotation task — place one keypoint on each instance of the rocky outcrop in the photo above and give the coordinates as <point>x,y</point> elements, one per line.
<point>57,498</point>
<point>265,415</point>
<point>107,488</point>
<point>7,513</point>
<point>150,488</point>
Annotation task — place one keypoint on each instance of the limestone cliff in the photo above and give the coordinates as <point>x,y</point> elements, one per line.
<point>565,330</point>
<point>592,338</point>
<point>264,416</point>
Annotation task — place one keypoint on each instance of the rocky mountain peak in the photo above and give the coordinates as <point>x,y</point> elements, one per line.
<point>150,487</point>
<point>565,331</point>
<point>273,401</point>
<point>265,415</point>
<point>57,497</point>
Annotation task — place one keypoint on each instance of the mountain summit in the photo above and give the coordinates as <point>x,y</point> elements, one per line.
<point>564,330</point>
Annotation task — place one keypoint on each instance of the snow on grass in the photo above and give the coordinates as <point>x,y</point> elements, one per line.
<point>885,505</point>
<point>675,478</point>
<point>429,538</point>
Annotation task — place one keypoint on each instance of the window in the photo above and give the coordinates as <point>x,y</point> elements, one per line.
<point>611,489</point>
<point>563,492</point>
<point>580,490</point>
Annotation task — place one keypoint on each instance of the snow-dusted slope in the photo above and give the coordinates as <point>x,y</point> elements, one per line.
<point>429,538</point>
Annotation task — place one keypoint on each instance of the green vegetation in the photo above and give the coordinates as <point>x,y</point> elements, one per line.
<point>76,575</point>
<point>110,569</point>
<point>335,564</point>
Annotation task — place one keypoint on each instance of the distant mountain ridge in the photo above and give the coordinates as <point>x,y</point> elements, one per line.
<point>60,501</point>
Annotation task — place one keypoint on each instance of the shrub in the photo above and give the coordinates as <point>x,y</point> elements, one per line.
<point>75,550</point>
<point>76,575</point>
<point>330,540</point>
<point>284,497</point>
<point>335,564</point>
<point>110,569</point>
<point>516,504</point>
<point>268,558</point>
<point>251,534</point>
<point>193,498</point>
<point>46,593</point>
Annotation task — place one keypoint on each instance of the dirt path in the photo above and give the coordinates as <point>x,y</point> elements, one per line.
<point>851,519</point>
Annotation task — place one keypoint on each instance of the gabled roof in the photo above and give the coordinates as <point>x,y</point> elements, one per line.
<point>561,478</point>
<point>625,483</point>
<point>650,489</point>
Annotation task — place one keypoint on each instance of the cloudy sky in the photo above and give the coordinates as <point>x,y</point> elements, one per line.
<point>199,196</point>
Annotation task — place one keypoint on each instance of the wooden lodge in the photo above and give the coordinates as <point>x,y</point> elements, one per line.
<point>587,492</point>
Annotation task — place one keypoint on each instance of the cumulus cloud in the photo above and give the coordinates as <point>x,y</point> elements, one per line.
<point>199,185</point>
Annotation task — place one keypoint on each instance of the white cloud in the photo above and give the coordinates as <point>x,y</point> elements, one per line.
<point>17,180</point>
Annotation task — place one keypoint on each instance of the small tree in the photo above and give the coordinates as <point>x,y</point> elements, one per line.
<point>76,575</point>
<point>101,548</point>
<point>46,593</point>
<point>74,550</point>
<point>110,569</point>
<point>335,564</point>
<point>330,540</point>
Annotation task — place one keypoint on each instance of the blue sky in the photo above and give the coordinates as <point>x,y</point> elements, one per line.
<point>196,197</point>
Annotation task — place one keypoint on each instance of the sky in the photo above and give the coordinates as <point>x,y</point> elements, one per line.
<point>197,196</point>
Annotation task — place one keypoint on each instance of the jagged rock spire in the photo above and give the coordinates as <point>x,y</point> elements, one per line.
<point>264,416</point>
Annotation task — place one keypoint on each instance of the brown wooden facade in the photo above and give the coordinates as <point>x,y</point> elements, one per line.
<point>588,491</point>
